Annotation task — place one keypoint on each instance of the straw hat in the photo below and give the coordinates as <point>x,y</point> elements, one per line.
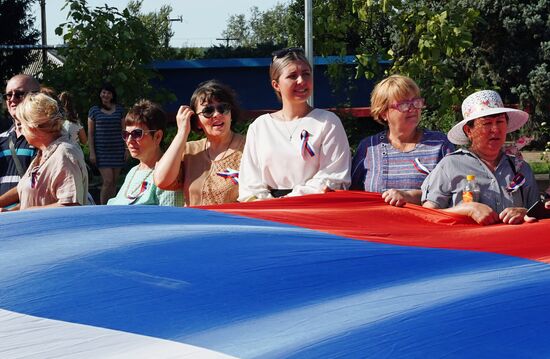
<point>481,104</point>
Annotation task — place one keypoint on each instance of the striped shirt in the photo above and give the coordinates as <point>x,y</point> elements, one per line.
<point>9,177</point>
<point>378,166</point>
<point>108,143</point>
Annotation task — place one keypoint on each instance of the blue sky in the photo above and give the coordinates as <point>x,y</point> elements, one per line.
<point>203,21</point>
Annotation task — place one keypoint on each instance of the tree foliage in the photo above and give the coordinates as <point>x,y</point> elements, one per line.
<point>512,50</point>
<point>450,48</point>
<point>158,23</point>
<point>456,47</point>
<point>16,28</point>
<point>105,44</point>
<point>259,28</point>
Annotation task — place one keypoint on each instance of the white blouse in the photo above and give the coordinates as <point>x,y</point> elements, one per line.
<point>274,156</point>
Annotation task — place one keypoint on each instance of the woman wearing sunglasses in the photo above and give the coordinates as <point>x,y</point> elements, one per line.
<point>144,128</point>
<point>297,150</point>
<point>57,176</point>
<point>396,161</point>
<point>206,169</point>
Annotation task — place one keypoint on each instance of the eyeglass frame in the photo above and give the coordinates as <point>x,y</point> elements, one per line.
<point>128,134</point>
<point>221,108</point>
<point>410,104</point>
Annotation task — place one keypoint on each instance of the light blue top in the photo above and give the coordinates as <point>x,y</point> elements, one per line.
<point>139,188</point>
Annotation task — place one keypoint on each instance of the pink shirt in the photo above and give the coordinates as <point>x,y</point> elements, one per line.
<point>60,178</point>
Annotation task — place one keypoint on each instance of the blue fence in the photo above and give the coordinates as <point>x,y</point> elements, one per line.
<point>249,77</point>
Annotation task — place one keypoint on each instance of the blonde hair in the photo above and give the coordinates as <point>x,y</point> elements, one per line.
<point>40,111</point>
<point>279,63</point>
<point>386,91</point>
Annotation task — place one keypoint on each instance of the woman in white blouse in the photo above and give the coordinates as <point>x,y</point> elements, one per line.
<point>297,150</point>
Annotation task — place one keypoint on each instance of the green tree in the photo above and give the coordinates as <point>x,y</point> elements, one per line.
<point>456,47</point>
<point>16,28</point>
<point>158,23</point>
<point>257,35</point>
<point>105,44</point>
<point>512,52</point>
<point>430,41</point>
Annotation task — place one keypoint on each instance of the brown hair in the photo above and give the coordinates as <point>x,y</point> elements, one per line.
<point>214,90</point>
<point>148,113</point>
<point>66,101</point>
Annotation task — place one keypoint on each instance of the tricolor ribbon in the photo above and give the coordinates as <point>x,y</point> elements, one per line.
<point>144,186</point>
<point>231,174</point>
<point>516,182</point>
<point>420,167</point>
<point>306,147</point>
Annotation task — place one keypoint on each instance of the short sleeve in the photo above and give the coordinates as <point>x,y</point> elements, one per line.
<point>436,188</point>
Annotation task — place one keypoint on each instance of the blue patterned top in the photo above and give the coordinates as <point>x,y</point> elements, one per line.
<point>108,143</point>
<point>377,166</point>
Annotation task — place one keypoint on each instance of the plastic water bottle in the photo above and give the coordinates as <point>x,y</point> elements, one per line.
<point>471,190</point>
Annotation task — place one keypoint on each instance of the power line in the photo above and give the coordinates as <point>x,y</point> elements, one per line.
<point>30,46</point>
<point>226,39</point>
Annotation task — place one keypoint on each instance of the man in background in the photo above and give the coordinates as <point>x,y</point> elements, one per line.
<point>15,152</point>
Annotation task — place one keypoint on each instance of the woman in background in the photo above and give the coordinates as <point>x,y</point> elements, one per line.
<point>207,169</point>
<point>145,125</point>
<point>299,149</point>
<point>107,150</point>
<point>396,161</point>
<point>72,123</point>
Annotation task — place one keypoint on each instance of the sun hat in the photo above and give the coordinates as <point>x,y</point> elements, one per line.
<point>480,104</point>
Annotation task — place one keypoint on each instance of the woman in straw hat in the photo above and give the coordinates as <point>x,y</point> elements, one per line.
<point>507,185</point>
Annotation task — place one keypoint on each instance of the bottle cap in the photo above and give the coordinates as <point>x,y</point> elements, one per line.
<point>470,177</point>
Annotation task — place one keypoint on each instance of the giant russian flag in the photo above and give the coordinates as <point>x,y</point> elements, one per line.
<point>321,276</point>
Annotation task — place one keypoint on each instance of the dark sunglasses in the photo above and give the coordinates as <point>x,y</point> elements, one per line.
<point>17,95</point>
<point>282,53</point>
<point>209,110</point>
<point>136,134</point>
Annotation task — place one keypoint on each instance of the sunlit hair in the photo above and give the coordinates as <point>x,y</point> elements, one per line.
<point>211,90</point>
<point>66,101</point>
<point>393,88</point>
<point>147,113</point>
<point>279,63</point>
<point>40,111</point>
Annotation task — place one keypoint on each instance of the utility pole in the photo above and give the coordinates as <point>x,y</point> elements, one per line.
<point>309,40</point>
<point>226,39</point>
<point>44,34</point>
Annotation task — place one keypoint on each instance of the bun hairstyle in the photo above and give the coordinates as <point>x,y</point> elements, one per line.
<point>209,91</point>
<point>40,111</point>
